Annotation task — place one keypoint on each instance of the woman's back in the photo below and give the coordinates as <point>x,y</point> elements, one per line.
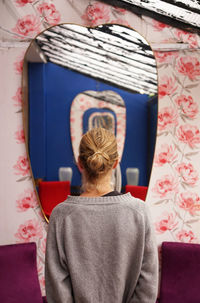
<point>101,250</point>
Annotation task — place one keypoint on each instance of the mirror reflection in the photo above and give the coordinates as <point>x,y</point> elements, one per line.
<point>76,78</point>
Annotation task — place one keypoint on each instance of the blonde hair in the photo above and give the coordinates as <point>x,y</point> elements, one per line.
<point>97,153</point>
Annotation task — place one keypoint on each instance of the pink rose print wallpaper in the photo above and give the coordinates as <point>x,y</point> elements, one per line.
<point>189,38</point>
<point>167,86</point>
<point>167,222</point>
<point>165,57</point>
<point>23,2</point>
<point>174,192</point>
<point>174,189</point>
<point>18,98</point>
<point>29,231</point>
<point>19,135</point>
<point>189,134</point>
<point>167,118</point>
<point>159,26</point>
<point>187,106</point>
<point>189,66</point>
<point>18,65</point>
<point>28,25</point>
<point>96,14</point>
<point>190,202</point>
<point>49,12</point>
<point>22,166</point>
<point>186,236</point>
<point>166,154</point>
<point>166,187</point>
<point>26,201</point>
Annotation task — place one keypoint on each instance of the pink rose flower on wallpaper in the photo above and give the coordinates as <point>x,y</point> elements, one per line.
<point>43,245</point>
<point>186,236</point>
<point>19,136</point>
<point>187,105</point>
<point>166,57</point>
<point>83,107</point>
<point>190,202</point>
<point>186,37</point>
<point>39,266</point>
<point>167,86</point>
<point>42,282</point>
<point>189,66</point>
<point>165,154</point>
<point>28,25</point>
<point>96,13</point>
<point>26,200</point>
<point>82,99</point>
<point>18,65</point>
<point>165,223</point>
<point>23,2</point>
<point>159,26</point>
<point>49,12</point>
<point>88,104</point>
<point>101,104</point>
<point>22,166</point>
<point>166,186</point>
<point>18,97</point>
<point>30,231</point>
<point>119,10</point>
<point>72,119</point>
<point>187,173</point>
<point>167,118</point>
<point>189,134</point>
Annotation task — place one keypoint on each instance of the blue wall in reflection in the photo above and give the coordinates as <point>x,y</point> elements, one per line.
<point>52,89</point>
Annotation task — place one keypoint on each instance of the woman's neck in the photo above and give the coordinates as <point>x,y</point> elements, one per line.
<point>95,193</point>
<point>102,187</point>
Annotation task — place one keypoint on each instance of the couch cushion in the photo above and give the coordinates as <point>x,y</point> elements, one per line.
<point>180,273</point>
<point>18,274</point>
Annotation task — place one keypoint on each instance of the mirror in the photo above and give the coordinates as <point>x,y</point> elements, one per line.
<point>67,60</point>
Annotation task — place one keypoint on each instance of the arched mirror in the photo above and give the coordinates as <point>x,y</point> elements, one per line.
<point>74,78</point>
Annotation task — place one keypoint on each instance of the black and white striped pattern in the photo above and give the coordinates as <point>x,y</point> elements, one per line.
<point>113,53</point>
<point>181,13</point>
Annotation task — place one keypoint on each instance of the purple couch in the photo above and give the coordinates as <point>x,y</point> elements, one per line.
<point>180,273</point>
<point>18,274</point>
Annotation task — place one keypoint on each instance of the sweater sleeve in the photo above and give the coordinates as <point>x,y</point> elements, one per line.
<point>57,278</point>
<point>147,285</point>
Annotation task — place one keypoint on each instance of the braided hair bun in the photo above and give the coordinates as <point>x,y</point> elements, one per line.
<point>98,152</point>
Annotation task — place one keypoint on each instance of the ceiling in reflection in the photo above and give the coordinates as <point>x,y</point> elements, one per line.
<point>181,13</point>
<point>113,53</point>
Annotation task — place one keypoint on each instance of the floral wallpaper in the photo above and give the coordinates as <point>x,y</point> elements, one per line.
<point>79,107</point>
<point>175,192</point>
<point>174,189</point>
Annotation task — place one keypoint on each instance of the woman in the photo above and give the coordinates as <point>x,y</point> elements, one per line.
<point>100,245</point>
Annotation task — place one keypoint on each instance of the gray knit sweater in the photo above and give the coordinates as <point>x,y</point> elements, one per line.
<point>101,250</point>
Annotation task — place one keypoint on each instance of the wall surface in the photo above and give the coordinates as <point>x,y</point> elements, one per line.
<point>174,190</point>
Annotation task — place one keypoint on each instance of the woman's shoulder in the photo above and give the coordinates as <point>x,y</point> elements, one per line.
<point>60,210</point>
<point>76,203</point>
<point>136,204</point>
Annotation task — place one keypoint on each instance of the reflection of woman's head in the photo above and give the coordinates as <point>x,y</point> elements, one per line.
<point>97,153</point>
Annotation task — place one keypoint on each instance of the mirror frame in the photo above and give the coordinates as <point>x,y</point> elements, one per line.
<point>25,102</point>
